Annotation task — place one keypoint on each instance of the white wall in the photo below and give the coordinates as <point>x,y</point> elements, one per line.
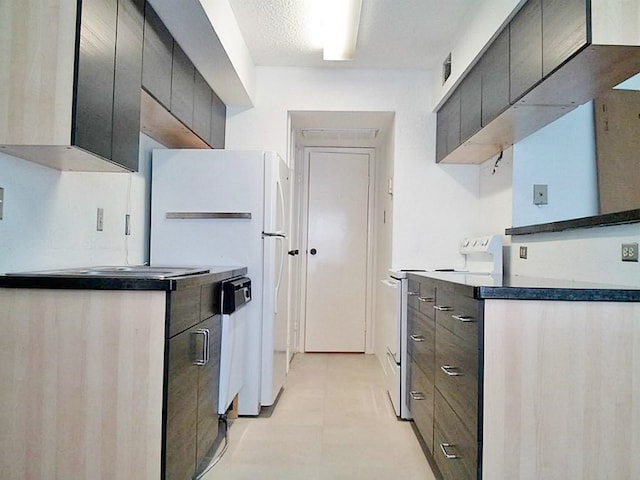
<point>482,27</point>
<point>562,156</point>
<point>50,216</point>
<point>590,255</point>
<point>433,206</point>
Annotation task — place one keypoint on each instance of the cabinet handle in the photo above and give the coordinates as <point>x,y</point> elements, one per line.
<point>413,294</point>
<point>462,318</point>
<point>417,338</point>
<point>442,308</point>
<point>205,346</point>
<point>450,370</point>
<point>426,299</point>
<point>416,395</point>
<point>448,456</point>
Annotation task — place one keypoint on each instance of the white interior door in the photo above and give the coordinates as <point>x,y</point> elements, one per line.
<point>337,238</point>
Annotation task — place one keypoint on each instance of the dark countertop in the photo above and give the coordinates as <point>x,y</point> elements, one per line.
<point>80,282</point>
<point>485,287</point>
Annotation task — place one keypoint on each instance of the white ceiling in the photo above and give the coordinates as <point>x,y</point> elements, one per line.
<point>393,33</point>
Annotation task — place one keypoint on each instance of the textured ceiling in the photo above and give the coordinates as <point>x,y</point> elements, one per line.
<point>392,34</point>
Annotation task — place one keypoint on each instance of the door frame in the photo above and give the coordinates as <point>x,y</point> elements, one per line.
<point>302,199</point>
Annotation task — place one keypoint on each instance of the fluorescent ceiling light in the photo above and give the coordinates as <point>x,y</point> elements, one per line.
<point>341,22</point>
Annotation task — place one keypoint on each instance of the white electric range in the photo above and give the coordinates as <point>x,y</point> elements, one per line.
<point>482,255</point>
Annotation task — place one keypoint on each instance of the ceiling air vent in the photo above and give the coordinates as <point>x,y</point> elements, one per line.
<point>339,133</point>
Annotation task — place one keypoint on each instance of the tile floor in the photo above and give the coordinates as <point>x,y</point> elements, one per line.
<point>333,421</point>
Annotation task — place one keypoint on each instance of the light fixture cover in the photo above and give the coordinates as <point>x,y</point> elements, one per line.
<point>341,22</point>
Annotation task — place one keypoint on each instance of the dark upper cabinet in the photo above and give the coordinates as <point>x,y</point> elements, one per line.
<point>525,49</point>
<point>218,122</point>
<point>495,78</point>
<point>202,108</point>
<point>128,72</point>
<point>471,104</point>
<point>107,100</point>
<point>93,121</point>
<point>564,31</point>
<point>448,126</point>
<point>182,86</point>
<point>157,58</point>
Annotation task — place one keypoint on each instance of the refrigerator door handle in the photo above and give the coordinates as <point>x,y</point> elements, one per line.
<point>273,234</point>
<point>282,257</point>
<point>282,210</point>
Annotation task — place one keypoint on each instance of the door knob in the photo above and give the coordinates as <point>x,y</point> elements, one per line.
<point>313,251</point>
<point>294,252</point>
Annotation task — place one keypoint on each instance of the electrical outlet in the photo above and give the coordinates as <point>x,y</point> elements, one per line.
<point>100,219</point>
<point>629,252</point>
<point>523,252</point>
<point>540,195</point>
<point>127,224</point>
<point>1,202</point>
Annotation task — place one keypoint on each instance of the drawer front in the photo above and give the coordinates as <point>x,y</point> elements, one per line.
<point>460,315</point>
<point>422,295</point>
<point>210,300</point>
<point>184,310</point>
<point>456,374</point>
<point>421,341</point>
<point>455,448</point>
<point>420,401</point>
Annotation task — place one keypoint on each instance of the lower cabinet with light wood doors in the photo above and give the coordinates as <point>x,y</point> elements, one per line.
<point>531,381</point>
<point>109,378</point>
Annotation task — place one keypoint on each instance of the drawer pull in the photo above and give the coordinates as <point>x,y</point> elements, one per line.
<point>451,370</point>
<point>426,299</point>
<point>416,395</point>
<point>462,318</point>
<point>417,338</point>
<point>413,294</point>
<point>442,308</point>
<point>448,456</point>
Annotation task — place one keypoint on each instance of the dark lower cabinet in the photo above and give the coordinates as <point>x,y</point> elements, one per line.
<point>564,31</point>
<point>455,447</point>
<point>525,49</point>
<point>193,375</point>
<point>445,347</point>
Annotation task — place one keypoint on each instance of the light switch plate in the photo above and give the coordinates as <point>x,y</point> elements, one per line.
<point>100,219</point>
<point>1,202</point>
<point>523,253</point>
<point>540,195</point>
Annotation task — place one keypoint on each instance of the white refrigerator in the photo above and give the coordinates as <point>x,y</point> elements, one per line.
<point>222,207</point>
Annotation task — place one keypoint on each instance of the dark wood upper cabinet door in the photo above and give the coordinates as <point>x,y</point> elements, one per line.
<point>453,121</point>
<point>218,121</point>
<point>564,31</point>
<point>157,58</point>
<point>182,84</point>
<point>471,104</point>
<point>526,49</point>
<point>202,108</point>
<point>442,123</point>
<point>495,78</point>
<point>93,116</point>
<point>128,75</point>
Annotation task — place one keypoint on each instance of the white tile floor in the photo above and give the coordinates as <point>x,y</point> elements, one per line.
<point>333,421</point>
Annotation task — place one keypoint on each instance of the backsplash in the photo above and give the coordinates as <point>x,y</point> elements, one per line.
<point>50,216</point>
